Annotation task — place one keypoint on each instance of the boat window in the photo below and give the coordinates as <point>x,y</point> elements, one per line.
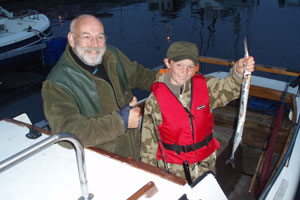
<point>2,27</point>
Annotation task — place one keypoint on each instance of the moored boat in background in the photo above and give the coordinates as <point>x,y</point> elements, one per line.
<point>22,36</point>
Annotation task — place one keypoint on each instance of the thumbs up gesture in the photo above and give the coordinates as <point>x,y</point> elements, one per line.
<point>134,114</point>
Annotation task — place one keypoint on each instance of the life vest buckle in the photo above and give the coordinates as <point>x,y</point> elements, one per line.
<point>207,140</point>
<point>188,148</point>
<point>177,150</point>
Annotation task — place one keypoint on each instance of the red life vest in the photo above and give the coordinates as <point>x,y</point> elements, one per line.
<point>186,134</point>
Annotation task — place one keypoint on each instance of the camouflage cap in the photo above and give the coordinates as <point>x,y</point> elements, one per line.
<point>183,50</point>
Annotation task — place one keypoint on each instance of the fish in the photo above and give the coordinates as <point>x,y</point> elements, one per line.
<point>242,110</point>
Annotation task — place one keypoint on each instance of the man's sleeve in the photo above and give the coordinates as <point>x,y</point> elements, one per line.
<point>137,75</point>
<point>63,115</point>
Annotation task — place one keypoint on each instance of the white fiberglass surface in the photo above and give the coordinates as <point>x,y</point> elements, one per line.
<point>53,174</point>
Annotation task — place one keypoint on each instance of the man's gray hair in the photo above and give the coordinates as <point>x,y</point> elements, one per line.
<point>74,21</point>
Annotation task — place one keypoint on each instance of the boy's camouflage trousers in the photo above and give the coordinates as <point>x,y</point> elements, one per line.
<point>196,169</point>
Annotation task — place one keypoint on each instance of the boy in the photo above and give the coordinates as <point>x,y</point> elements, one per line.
<point>178,121</point>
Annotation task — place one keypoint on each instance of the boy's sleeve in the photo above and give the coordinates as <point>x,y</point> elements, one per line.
<point>148,138</point>
<point>222,91</point>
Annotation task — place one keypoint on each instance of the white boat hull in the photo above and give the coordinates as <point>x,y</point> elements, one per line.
<point>22,36</point>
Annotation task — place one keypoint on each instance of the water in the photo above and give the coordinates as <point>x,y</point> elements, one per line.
<point>144,30</point>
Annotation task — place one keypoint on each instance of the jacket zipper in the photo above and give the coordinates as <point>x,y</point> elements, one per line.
<point>111,86</point>
<point>116,99</point>
<point>191,117</point>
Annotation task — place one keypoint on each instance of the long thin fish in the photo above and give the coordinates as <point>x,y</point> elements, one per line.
<point>243,109</point>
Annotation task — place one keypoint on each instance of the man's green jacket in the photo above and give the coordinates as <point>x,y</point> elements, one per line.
<point>78,102</point>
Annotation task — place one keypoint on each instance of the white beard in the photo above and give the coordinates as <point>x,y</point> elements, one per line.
<point>88,59</point>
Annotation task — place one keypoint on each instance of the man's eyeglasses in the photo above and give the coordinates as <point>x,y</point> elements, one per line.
<point>87,38</point>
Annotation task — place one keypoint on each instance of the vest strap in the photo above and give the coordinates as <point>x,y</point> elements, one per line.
<point>188,148</point>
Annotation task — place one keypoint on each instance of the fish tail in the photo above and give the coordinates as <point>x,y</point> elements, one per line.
<point>231,161</point>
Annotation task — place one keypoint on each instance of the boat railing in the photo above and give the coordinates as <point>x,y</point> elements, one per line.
<point>6,13</point>
<point>24,13</point>
<point>49,141</point>
<point>32,13</point>
<point>258,67</point>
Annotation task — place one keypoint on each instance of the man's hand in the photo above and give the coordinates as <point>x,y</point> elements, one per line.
<point>134,114</point>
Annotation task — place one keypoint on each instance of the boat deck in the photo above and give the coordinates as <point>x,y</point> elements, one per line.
<point>52,174</point>
<point>5,34</point>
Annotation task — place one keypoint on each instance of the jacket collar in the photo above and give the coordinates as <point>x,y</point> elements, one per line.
<point>165,78</point>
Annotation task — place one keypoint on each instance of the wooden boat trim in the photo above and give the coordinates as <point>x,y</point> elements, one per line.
<point>258,67</point>
<point>139,165</point>
<point>258,91</point>
<point>268,93</point>
<point>148,190</point>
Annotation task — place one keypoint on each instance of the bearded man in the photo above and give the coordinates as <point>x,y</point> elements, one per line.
<point>88,92</point>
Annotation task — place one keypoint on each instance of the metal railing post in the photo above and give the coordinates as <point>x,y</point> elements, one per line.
<point>32,150</point>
